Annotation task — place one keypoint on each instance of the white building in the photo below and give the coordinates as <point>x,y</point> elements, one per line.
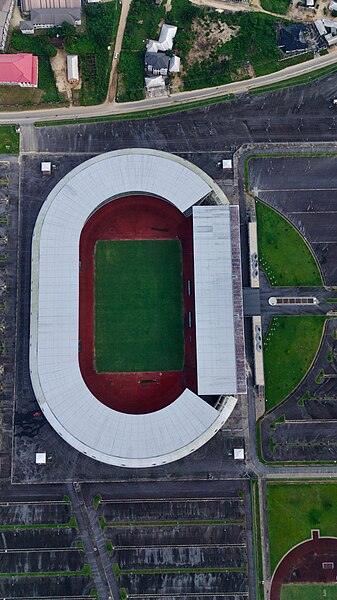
<point>72,68</point>
<point>165,42</point>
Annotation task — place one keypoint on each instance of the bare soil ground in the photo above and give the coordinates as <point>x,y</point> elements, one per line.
<point>208,37</point>
<point>59,66</point>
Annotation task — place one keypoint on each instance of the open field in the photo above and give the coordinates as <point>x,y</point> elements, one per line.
<point>309,591</point>
<point>295,509</point>
<point>138,306</point>
<point>9,140</point>
<point>284,255</point>
<point>289,349</point>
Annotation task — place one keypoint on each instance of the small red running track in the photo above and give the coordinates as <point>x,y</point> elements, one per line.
<point>135,217</point>
<point>304,564</point>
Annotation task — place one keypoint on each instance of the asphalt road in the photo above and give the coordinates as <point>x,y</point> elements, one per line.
<point>300,114</point>
<point>31,116</point>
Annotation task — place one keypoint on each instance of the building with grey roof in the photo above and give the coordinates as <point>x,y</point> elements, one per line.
<point>44,14</point>
<point>157,63</point>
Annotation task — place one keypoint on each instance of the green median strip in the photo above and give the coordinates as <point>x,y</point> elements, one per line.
<point>141,114</point>
<point>191,570</point>
<point>299,80</point>
<point>171,523</point>
<point>72,523</point>
<point>84,571</point>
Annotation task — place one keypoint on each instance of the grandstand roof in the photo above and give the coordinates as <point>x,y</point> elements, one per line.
<point>84,422</point>
<point>214,312</point>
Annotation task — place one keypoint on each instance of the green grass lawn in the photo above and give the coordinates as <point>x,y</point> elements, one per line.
<point>309,591</point>
<point>138,306</point>
<point>295,509</point>
<point>9,140</point>
<point>283,254</point>
<point>288,351</point>
<point>279,7</point>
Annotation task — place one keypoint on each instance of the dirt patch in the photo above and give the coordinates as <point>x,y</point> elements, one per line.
<point>176,82</point>
<point>168,6</point>
<point>208,36</point>
<point>59,66</point>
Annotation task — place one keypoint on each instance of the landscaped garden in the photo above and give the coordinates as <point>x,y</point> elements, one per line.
<point>283,253</point>
<point>289,349</point>
<point>293,511</point>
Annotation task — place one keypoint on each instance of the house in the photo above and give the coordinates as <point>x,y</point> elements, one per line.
<point>174,64</point>
<point>333,6</point>
<point>157,63</point>
<point>291,38</point>
<point>19,69</point>
<point>165,42</point>
<point>6,10</point>
<point>327,29</point>
<point>44,14</point>
<point>155,83</point>
<point>72,68</point>
<point>310,3</point>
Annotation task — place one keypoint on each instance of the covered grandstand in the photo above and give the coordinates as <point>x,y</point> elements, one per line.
<point>136,439</point>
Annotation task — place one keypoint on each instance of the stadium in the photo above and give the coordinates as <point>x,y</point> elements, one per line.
<point>136,337</point>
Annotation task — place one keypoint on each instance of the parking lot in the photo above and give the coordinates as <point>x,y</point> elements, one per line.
<point>179,546</point>
<point>41,551</point>
<point>304,189</point>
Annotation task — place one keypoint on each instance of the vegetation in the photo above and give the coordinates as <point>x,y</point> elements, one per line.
<point>253,47</point>
<point>278,7</point>
<point>289,350</point>
<point>283,253</point>
<point>257,539</point>
<point>142,24</point>
<point>296,508</point>
<point>9,140</point>
<point>320,377</point>
<point>141,114</point>
<point>46,91</point>
<point>95,48</point>
<point>96,501</point>
<point>294,81</point>
<point>134,318</point>
<point>109,547</point>
<point>309,591</point>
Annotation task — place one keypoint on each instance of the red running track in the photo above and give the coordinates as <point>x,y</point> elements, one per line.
<point>303,564</point>
<point>136,217</point>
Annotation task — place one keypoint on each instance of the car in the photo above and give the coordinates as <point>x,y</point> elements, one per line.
<point>116,55</point>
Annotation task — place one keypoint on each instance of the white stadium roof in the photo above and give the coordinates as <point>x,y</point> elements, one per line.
<point>72,410</point>
<point>216,361</point>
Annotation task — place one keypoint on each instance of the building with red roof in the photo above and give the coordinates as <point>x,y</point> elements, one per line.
<point>19,69</point>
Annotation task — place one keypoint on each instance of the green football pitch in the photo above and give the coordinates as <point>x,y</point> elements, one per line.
<point>138,306</point>
<point>307,591</point>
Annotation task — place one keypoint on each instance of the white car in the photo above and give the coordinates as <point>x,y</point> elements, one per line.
<point>116,55</point>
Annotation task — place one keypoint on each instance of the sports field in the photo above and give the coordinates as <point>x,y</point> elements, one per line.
<point>309,591</point>
<point>138,306</point>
